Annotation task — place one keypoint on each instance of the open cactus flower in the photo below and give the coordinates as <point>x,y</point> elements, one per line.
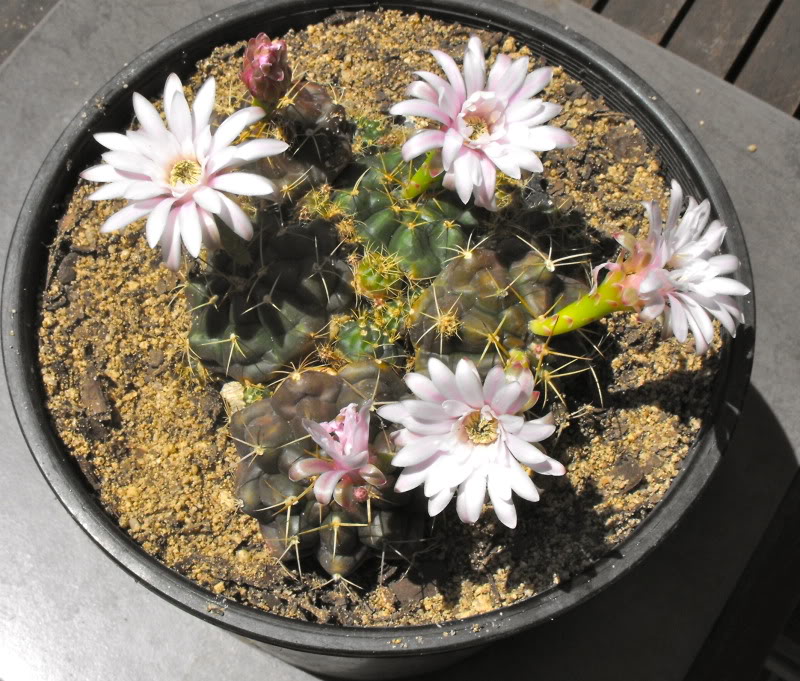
<point>486,123</point>
<point>467,436</point>
<point>402,353</point>
<point>179,175</point>
<point>674,273</point>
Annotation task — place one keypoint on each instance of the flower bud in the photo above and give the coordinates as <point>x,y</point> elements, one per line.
<point>266,71</point>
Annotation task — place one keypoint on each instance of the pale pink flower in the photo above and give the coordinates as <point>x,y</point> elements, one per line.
<point>266,71</point>
<point>178,175</point>
<point>674,274</point>
<point>345,447</point>
<point>459,435</point>
<point>486,124</point>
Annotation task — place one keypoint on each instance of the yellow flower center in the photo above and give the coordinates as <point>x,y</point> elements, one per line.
<point>185,172</point>
<point>479,127</point>
<point>479,429</point>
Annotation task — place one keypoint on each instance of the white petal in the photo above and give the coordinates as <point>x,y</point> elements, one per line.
<point>535,82</point>
<point>471,495</point>
<point>463,172</point>
<point>172,86</point>
<point>203,106</point>
<point>501,64</point>
<point>474,66</point>
<point>102,173</point>
<point>145,190</point>
<point>443,379</point>
<point>244,184</point>
<point>505,397</point>
<point>232,126</point>
<point>549,111</point>
<point>131,213</point>
<point>453,143</point>
<point>179,119</point>
<point>112,190</point>
<point>451,71</point>
<point>157,221</point>
<point>438,502</point>
<point>115,141</point>
<point>423,388</point>
<point>547,137</point>
<point>420,90</point>
<point>504,510</point>
<point>536,432</point>
<point>513,78</point>
<point>394,412</point>
<point>678,322</point>
<point>726,286</point>
<point>525,452</point>
<point>413,476</point>
<point>421,143</point>
<point>233,216</point>
<point>149,118</point>
<point>522,484</point>
<point>211,237</point>
<point>171,243</point>
<point>209,199</point>
<point>455,408</point>
<point>469,384</point>
<point>421,108</point>
<point>191,229</point>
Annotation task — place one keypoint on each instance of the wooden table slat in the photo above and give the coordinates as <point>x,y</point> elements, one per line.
<point>649,19</point>
<point>771,72</point>
<point>713,32</point>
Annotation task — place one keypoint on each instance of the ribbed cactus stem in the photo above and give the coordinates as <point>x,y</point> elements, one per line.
<point>422,179</point>
<point>604,300</point>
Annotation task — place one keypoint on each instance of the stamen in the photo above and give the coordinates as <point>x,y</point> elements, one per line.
<point>185,172</point>
<point>479,429</point>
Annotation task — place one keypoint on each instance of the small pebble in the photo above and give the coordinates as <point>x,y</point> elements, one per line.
<point>751,148</point>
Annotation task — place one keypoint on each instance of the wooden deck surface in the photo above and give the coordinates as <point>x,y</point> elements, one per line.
<point>754,44</point>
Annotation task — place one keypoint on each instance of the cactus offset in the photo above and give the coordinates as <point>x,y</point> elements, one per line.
<point>273,442</point>
<point>250,318</point>
<point>422,235</point>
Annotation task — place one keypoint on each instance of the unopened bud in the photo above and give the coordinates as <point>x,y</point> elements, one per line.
<point>266,71</point>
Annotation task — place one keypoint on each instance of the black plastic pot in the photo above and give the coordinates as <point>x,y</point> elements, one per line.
<point>337,651</point>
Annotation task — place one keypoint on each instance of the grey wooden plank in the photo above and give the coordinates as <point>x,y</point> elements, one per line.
<point>771,72</point>
<point>650,18</point>
<point>68,613</point>
<point>713,32</point>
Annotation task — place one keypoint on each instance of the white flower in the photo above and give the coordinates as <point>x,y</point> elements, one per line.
<point>178,175</point>
<point>673,273</point>
<point>461,435</point>
<point>486,125</point>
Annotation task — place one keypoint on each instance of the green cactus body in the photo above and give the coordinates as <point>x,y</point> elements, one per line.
<point>251,318</point>
<point>270,437</point>
<point>479,307</point>
<point>422,235</point>
<point>362,339</point>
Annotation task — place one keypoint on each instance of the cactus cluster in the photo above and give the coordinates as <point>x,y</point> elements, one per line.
<point>351,281</point>
<point>271,439</point>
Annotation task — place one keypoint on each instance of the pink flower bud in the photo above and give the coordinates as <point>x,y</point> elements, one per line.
<point>266,71</point>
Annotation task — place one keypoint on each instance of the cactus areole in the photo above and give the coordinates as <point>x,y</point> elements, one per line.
<point>428,329</point>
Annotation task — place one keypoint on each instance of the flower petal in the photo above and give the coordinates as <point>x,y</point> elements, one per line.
<point>131,213</point>
<point>418,451</point>
<point>421,143</point>
<point>469,384</point>
<point>471,495</point>
<point>421,108</point>
<point>423,387</point>
<point>203,106</point>
<point>244,184</point>
<point>157,221</point>
<point>232,126</point>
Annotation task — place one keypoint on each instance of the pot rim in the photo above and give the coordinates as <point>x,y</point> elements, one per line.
<point>24,273</point>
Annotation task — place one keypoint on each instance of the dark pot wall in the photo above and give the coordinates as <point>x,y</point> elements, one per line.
<point>361,653</point>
